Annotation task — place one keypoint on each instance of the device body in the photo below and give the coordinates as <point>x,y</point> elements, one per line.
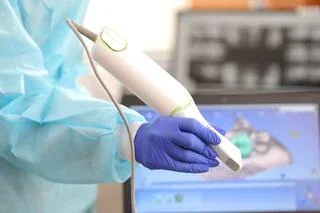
<point>155,87</point>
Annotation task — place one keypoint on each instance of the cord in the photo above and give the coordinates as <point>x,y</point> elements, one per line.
<point>117,105</point>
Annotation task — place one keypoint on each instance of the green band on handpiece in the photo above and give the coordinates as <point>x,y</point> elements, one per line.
<point>178,108</point>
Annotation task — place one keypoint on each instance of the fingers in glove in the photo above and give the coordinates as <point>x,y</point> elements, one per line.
<point>188,156</point>
<point>189,167</point>
<point>203,133</point>
<point>193,143</point>
<point>221,131</point>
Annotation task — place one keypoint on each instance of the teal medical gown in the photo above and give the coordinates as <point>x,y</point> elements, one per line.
<point>56,142</point>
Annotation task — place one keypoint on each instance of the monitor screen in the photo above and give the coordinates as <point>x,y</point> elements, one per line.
<point>280,148</point>
<point>247,50</point>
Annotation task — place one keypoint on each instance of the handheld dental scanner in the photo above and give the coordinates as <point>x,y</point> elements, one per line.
<point>153,85</point>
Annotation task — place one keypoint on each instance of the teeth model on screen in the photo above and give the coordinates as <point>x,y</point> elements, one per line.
<point>260,152</point>
<point>153,85</point>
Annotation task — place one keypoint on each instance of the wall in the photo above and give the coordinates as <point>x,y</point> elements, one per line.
<point>148,23</point>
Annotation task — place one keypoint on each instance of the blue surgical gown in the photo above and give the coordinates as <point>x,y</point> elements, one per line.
<point>56,142</point>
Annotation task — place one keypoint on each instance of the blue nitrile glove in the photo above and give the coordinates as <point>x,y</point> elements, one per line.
<point>176,144</point>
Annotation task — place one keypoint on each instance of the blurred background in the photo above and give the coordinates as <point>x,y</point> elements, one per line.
<point>213,46</point>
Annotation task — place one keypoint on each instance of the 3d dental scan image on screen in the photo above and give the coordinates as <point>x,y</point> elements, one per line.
<point>275,175</point>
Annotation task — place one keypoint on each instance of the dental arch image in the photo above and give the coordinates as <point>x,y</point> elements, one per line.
<point>259,149</point>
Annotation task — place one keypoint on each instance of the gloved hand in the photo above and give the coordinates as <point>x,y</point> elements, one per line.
<point>176,144</point>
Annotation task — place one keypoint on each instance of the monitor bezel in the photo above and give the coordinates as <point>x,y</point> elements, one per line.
<point>232,97</point>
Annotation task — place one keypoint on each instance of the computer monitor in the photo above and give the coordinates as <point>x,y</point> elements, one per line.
<point>221,49</point>
<point>278,134</point>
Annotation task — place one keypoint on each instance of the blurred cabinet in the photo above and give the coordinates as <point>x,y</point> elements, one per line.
<point>220,4</point>
<point>250,4</point>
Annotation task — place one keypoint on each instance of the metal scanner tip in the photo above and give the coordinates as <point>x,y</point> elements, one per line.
<point>87,33</point>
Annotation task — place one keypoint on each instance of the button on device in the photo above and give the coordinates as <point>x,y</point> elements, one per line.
<point>232,164</point>
<point>113,40</point>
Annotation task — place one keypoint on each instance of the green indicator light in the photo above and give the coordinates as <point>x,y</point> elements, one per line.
<point>112,40</point>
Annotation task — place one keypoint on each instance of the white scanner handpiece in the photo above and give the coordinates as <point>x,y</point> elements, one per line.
<point>155,87</point>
